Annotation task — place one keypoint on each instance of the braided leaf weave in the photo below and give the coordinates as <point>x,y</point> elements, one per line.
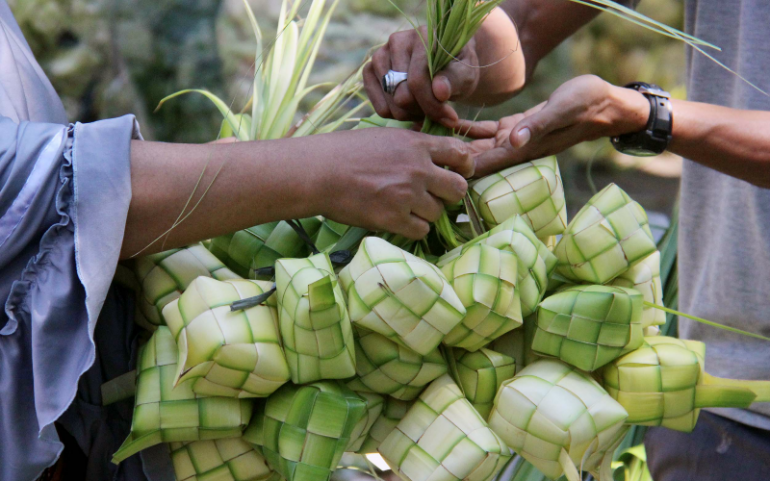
<point>314,321</point>
<point>645,278</point>
<point>308,428</point>
<point>480,375</point>
<point>535,261</point>
<point>229,459</point>
<point>224,352</point>
<point>400,296</point>
<point>167,413</point>
<point>385,367</point>
<point>165,275</point>
<point>262,245</point>
<point>442,438</point>
<point>558,419</point>
<point>533,190</point>
<point>589,326</point>
<point>607,236</point>
<point>484,279</point>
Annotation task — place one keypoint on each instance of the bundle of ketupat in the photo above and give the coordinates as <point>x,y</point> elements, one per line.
<point>484,279</point>
<point>559,419</point>
<point>165,412</point>
<point>663,383</point>
<point>307,428</point>
<point>314,321</point>
<point>532,190</point>
<point>589,326</point>
<point>230,459</point>
<point>442,437</point>
<point>224,352</point>
<point>645,278</point>
<point>400,296</point>
<point>480,375</point>
<point>607,236</point>
<point>535,261</point>
<point>165,275</point>
<point>385,367</point>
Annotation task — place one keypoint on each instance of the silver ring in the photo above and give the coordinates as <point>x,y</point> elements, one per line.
<point>391,80</point>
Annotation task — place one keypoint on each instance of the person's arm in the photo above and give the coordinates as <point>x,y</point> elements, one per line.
<point>382,179</point>
<point>734,142</point>
<point>493,67</point>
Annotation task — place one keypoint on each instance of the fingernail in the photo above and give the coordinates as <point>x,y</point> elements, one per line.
<point>447,85</point>
<point>448,122</point>
<point>523,136</point>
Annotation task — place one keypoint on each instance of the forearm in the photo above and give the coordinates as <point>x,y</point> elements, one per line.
<point>248,183</point>
<point>734,142</point>
<point>501,60</point>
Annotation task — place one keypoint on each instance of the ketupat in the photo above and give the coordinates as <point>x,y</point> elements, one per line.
<point>386,367</point>
<point>663,383</point>
<point>533,190</point>
<point>535,261</point>
<point>230,459</point>
<point>224,352</point>
<point>559,419</point>
<point>588,326</point>
<point>167,413</point>
<point>374,406</point>
<point>400,296</point>
<point>645,278</point>
<point>392,413</point>
<point>480,375</point>
<point>607,236</point>
<point>314,321</point>
<point>308,428</point>
<point>165,275</point>
<point>443,438</point>
<point>260,246</point>
<point>328,234</point>
<point>485,279</point>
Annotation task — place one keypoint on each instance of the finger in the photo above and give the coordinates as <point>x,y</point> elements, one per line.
<point>453,153</point>
<point>401,55</point>
<point>381,64</point>
<point>497,159</point>
<point>447,186</point>
<point>421,87</point>
<point>538,124</point>
<point>459,79</point>
<point>412,227</point>
<point>484,129</point>
<point>428,208</point>
<point>373,87</point>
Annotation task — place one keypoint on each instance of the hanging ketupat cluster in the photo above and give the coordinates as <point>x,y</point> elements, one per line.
<point>369,347</point>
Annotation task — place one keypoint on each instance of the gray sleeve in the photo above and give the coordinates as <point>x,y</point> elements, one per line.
<point>64,197</point>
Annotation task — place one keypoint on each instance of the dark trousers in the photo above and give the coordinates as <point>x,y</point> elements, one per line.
<point>718,449</point>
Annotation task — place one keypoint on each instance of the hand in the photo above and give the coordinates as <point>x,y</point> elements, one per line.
<point>418,96</point>
<point>389,179</point>
<point>584,108</point>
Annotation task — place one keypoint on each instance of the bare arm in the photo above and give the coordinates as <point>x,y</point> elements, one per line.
<point>734,142</point>
<point>382,179</point>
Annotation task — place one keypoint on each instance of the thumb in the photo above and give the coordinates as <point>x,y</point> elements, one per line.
<point>537,125</point>
<point>458,80</point>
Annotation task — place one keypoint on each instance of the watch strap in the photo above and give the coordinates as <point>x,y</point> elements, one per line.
<point>654,139</point>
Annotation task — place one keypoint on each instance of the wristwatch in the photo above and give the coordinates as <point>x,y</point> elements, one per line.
<point>654,139</point>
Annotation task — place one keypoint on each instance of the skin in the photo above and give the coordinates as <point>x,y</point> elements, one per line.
<point>731,141</point>
<point>382,179</point>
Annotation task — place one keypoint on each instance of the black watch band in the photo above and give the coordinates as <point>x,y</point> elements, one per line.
<point>654,139</point>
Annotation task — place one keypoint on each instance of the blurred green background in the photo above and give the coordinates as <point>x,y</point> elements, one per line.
<point>111,57</point>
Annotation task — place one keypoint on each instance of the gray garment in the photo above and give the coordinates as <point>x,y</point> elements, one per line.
<point>717,450</point>
<point>64,196</point>
<point>724,235</point>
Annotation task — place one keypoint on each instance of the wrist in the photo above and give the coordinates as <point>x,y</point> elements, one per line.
<point>631,111</point>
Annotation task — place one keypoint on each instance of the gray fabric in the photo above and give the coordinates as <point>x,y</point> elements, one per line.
<point>64,196</point>
<point>724,234</point>
<point>718,449</point>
